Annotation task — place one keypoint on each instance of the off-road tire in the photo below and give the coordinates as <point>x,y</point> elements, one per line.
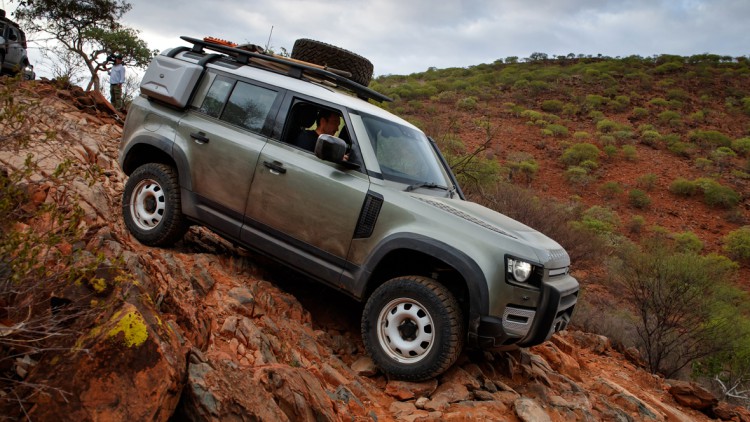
<point>151,205</point>
<point>323,54</point>
<point>435,317</point>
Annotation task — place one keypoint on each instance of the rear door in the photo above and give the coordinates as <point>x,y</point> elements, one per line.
<point>223,139</point>
<point>301,208</point>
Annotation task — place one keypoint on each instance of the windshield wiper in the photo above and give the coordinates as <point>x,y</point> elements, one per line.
<point>429,185</point>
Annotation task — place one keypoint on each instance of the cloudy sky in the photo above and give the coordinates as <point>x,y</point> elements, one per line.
<point>406,36</point>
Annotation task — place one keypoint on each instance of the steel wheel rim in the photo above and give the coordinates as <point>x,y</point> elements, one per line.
<point>147,204</point>
<point>406,330</point>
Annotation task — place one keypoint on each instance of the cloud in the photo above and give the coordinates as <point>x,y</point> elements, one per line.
<point>406,36</point>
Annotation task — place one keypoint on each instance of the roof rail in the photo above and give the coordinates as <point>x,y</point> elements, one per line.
<point>293,68</point>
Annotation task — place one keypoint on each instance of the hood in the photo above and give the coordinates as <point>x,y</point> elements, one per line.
<point>548,252</point>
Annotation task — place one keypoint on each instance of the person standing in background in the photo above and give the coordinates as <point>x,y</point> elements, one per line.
<point>116,79</point>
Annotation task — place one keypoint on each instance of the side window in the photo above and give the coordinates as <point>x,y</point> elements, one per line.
<point>248,106</point>
<point>213,104</point>
<point>13,34</point>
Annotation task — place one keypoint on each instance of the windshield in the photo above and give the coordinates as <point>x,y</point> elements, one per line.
<point>404,154</point>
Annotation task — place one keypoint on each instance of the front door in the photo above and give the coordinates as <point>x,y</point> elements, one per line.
<point>308,205</point>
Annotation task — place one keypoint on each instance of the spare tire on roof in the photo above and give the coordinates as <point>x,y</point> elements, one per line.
<point>323,54</point>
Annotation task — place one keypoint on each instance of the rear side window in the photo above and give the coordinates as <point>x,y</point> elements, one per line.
<point>241,104</point>
<point>248,106</point>
<point>213,104</point>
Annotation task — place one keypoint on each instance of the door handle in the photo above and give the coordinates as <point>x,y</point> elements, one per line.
<point>199,137</point>
<point>276,167</point>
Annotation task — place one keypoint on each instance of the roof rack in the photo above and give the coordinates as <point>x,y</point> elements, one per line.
<point>294,68</point>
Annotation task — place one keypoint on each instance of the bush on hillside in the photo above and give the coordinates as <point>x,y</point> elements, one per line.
<point>638,198</point>
<point>742,146</point>
<point>578,153</point>
<point>737,244</point>
<point>709,138</point>
<point>676,295</point>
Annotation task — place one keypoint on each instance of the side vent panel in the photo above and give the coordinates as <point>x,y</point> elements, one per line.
<point>368,216</point>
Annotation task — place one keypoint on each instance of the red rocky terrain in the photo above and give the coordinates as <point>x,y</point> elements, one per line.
<point>208,331</point>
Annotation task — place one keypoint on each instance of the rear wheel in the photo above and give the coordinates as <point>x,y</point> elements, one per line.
<point>412,328</point>
<point>151,205</point>
<point>323,54</point>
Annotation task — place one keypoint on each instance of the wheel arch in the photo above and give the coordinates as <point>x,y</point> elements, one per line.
<point>412,254</point>
<point>155,149</point>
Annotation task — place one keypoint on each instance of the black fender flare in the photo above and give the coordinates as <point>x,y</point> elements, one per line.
<point>165,145</point>
<point>476,282</point>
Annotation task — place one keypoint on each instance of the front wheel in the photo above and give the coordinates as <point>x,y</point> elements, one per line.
<point>412,328</point>
<point>151,205</point>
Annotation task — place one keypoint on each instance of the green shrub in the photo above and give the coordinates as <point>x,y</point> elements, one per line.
<point>683,187</point>
<point>639,113</point>
<point>522,167</point>
<point>557,130</point>
<point>709,138</point>
<point>745,105</point>
<point>584,135</point>
<point>742,146</point>
<point>718,195</point>
<point>697,117</point>
<point>595,102</point>
<point>669,67</point>
<point>620,103</point>
<point>467,103</point>
<point>737,244</point>
<point>596,115</point>
<point>600,220</point>
<point>589,164</point>
<point>723,157</point>
<point>570,109</point>
<point>610,189</point>
<point>579,153</point>
<point>638,198</point>
<point>552,106</point>
<point>703,163</point>
<point>577,175</point>
<point>650,137</point>
<point>681,148</point>
<point>607,126</point>
<point>677,94</point>
<point>636,224</point>
<point>647,181</point>
<point>629,152</point>
<point>658,102</point>
<point>687,242</point>
<point>671,118</point>
<point>675,294</point>
<point>611,151</point>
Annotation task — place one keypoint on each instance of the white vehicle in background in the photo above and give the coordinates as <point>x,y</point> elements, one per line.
<point>13,57</point>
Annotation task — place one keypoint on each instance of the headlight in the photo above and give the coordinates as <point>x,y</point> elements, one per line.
<point>520,270</point>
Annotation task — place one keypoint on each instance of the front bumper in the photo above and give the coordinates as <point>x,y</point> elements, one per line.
<point>524,326</point>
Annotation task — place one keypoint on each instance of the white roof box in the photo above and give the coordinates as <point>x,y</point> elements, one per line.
<point>170,80</point>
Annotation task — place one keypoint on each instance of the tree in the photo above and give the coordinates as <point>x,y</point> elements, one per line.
<point>676,296</point>
<point>87,28</point>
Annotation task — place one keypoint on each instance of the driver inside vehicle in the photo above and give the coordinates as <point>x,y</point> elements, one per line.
<point>327,123</point>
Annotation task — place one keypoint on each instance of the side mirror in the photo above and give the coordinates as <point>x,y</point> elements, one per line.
<point>333,149</point>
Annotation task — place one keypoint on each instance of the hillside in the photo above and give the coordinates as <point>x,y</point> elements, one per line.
<point>663,117</point>
<point>105,328</point>
<point>630,149</point>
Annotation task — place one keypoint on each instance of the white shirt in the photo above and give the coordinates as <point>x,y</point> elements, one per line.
<point>117,74</point>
